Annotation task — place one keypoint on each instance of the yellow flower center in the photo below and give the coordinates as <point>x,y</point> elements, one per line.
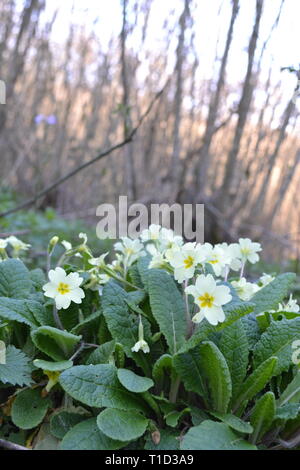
<point>206,300</point>
<point>188,262</point>
<point>245,251</point>
<point>63,288</point>
<point>129,251</point>
<point>214,261</point>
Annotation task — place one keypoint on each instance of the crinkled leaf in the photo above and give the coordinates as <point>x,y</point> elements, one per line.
<point>256,381</point>
<point>167,308</point>
<point>17,370</point>
<point>277,341</point>
<point>55,343</point>
<point>234,347</point>
<point>217,375</point>
<point>122,325</point>
<point>288,411</point>
<point>102,354</point>
<point>188,367</point>
<point>22,311</point>
<point>292,392</point>
<point>233,311</point>
<point>15,279</point>
<point>98,386</point>
<point>269,296</point>
<point>262,416</point>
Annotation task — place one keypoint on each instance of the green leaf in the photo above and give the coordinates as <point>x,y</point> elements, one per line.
<point>292,392</point>
<point>38,278</point>
<point>63,421</point>
<point>168,308</point>
<point>133,382</point>
<point>269,296</point>
<point>189,368</point>
<point>163,363</point>
<point>15,280</point>
<point>87,436</point>
<point>55,343</point>
<point>122,425</point>
<point>234,422</point>
<point>216,373</point>
<point>210,435</point>
<point>169,440</point>
<point>20,310</point>
<point>173,418</point>
<point>98,386</point>
<point>25,401</point>
<point>102,354</point>
<point>89,319</point>
<point>17,370</point>
<point>262,416</point>
<point>277,341</point>
<point>252,330</point>
<point>52,366</point>
<point>122,325</point>
<point>234,347</point>
<point>233,311</point>
<point>256,381</point>
<point>288,411</point>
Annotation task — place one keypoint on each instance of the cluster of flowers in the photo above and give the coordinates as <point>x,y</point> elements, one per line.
<point>202,269</point>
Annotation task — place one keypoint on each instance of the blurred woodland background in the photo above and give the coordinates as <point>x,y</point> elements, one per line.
<point>223,128</point>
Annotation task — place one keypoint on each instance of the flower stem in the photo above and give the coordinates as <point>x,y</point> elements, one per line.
<point>174,390</point>
<point>57,319</point>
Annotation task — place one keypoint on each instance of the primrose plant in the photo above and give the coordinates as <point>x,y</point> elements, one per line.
<point>161,345</point>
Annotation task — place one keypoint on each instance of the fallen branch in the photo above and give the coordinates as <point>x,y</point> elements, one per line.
<point>74,172</point>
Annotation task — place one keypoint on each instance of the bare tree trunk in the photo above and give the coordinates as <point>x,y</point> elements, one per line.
<point>127,123</point>
<point>175,157</point>
<point>243,110</point>
<point>204,157</point>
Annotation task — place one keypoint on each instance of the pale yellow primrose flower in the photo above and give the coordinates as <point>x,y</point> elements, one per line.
<point>3,243</point>
<point>64,288</point>
<point>291,306</point>
<point>67,245</point>
<point>217,257</point>
<point>245,290</point>
<point>131,250</point>
<point>248,250</point>
<point>231,256</point>
<point>184,260</point>
<point>265,279</point>
<point>151,233</point>
<point>169,239</point>
<point>210,298</point>
<point>99,262</point>
<point>17,244</point>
